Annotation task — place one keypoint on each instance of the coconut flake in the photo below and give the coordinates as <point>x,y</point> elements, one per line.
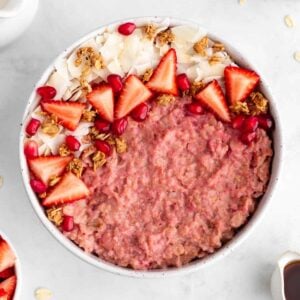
<point>61,67</point>
<point>60,84</point>
<point>187,34</point>
<point>112,47</point>
<point>52,143</point>
<point>115,68</point>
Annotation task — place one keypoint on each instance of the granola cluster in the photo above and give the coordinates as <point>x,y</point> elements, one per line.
<point>50,125</point>
<point>201,46</point>
<point>165,37</point>
<point>165,99</point>
<point>255,104</point>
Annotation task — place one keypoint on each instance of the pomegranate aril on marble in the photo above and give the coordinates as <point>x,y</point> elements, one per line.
<point>102,126</point>
<point>250,124</point>
<point>194,108</point>
<point>38,186</point>
<point>68,223</point>
<point>31,149</point>
<point>115,81</point>
<point>32,127</point>
<point>238,121</point>
<point>265,122</point>
<point>183,82</point>
<point>140,112</point>
<point>103,146</point>
<point>248,137</point>
<point>46,92</point>
<point>126,28</point>
<point>119,126</point>
<point>72,143</point>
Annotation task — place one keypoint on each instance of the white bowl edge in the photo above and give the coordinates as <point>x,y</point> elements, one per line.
<point>193,266</point>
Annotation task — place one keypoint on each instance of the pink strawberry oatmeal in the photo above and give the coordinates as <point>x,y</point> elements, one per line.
<point>155,168</point>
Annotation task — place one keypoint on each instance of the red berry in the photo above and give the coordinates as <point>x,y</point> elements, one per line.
<point>38,186</point>
<point>46,92</point>
<point>238,122</point>
<point>248,137</point>
<point>119,126</point>
<point>68,223</point>
<point>31,149</point>
<point>250,124</point>
<point>115,81</point>
<point>140,112</point>
<point>103,147</point>
<point>183,82</point>
<point>265,122</point>
<point>194,108</point>
<point>7,273</point>
<point>72,143</point>
<point>102,126</point>
<point>33,126</point>
<point>3,293</point>
<point>126,28</point>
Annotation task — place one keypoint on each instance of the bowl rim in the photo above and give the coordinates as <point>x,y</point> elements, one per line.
<point>230,246</point>
<point>18,271</point>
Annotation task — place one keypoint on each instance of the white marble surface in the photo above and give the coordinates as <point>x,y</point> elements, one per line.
<point>257,28</point>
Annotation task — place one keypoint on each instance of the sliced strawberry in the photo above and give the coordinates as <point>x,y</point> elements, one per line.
<point>7,273</point>
<point>239,83</point>
<point>69,189</point>
<point>8,286</point>
<point>45,167</point>
<point>212,96</point>
<point>102,98</point>
<point>68,113</point>
<point>163,79</point>
<point>7,257</point>
<point>133,94</point>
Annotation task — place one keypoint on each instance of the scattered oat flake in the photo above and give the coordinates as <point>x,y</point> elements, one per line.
<point>242,2</point>
<point>289,22</point>
<point>1,181</point>
<point>43,294</point>
<point>297,56</point>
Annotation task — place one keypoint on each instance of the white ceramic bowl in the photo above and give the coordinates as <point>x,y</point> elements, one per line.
<point>17,268</point>
<point>195,265</point>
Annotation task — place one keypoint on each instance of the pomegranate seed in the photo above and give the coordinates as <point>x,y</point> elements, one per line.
<point>183,82</point>
<point>103,147</point>
<point>72,143</point>
<point>102,126</point>
<point>126,28</point>
<point>115,82</point>
<point>3,293</point>
<point>33,126</point>
<point>265,122</point>
<point>238,122</point>
<point>38,186</point>
<point>119,126</point>
<point>68,223</point>
<point>31,149</point>
<point>250,124</point>
<point>46,92</point>
<point>194,108</point>
<point>140,112</point>
<point>248,137</point>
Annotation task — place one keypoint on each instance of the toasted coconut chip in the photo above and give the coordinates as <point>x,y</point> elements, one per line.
<point>1,181</point>
<point>61,67</point>
<point>43,294</point>
<point>60,84</point>
<point>187,34</point>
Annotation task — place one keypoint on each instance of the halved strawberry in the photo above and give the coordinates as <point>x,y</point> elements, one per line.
<point>69,189</point>
<point>239,83</point>
<point>8,286</point>
<point>7,257</point>
<point>45,167</point>
<point>134,93</point>
<point>7,273</point>
<point>102,98</point>
<point>212,96</point>
<point>68,113</point>
<point>163,79</point>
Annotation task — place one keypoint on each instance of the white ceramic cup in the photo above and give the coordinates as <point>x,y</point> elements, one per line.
<point>197,264</point>
<point>17,267</point>
<point>10,8</point>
